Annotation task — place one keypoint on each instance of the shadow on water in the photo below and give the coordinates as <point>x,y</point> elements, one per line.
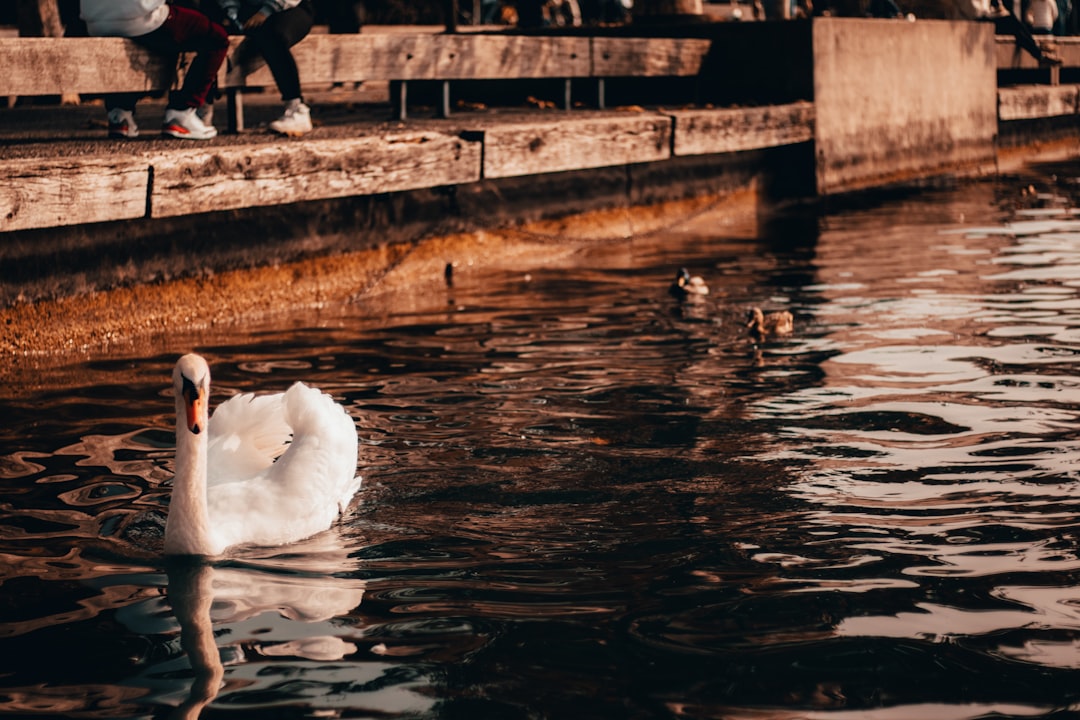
<point>585,498</point>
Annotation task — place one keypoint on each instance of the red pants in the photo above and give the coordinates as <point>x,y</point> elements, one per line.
<point>185,30</point>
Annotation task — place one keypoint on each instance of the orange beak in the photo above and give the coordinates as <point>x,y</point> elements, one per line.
<point>195,406</point>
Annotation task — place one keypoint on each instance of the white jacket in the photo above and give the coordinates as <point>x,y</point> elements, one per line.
<point>125,18</point>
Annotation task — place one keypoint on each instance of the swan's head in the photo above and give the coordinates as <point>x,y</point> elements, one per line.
<point>191,384</point>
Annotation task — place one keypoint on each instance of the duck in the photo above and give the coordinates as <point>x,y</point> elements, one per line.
<point>265,470</point>
<point>686,285</point>
<point>763,325</point>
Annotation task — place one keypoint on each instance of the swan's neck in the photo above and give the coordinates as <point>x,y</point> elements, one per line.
<point>187,529</point>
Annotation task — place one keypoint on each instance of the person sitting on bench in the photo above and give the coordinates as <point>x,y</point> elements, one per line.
<point>167,29</point>
<point>272,27</point>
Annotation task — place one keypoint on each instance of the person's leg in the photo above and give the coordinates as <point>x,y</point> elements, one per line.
<point>275,37</point>
<point>188,30</point>
<point>120,109</point>
<point>122,101</point>
<point>210,42</point>
<point>1010,25</point>
<point>274,40</point>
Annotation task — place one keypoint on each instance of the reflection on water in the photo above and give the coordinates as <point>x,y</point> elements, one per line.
<point>256,635</point>
<point>584,498</point>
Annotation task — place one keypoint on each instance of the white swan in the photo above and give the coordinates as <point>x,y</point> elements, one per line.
<point>266,470</point>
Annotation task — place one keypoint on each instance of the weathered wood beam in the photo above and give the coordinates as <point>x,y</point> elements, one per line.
<point>51,66</point>
<point>648,57</point>
<point>562,144</point>
<point>385,56</point>
<point>1028,102</point>
<point>714,131</point>
<point>41,18</point>
<point>47,66</point>
<point>226,178</point>
<point>51,193</point>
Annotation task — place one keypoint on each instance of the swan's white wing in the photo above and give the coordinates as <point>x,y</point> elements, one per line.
<point>305,489</point>
<point>320,463</point>
<point>247,434</point>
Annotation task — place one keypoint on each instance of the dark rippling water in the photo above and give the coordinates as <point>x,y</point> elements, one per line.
<point>585,500</point>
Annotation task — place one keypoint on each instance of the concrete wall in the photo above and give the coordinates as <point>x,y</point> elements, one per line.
<point>896,100</point>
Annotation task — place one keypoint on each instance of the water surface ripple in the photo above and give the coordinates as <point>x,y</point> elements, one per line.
<point>586,499</point>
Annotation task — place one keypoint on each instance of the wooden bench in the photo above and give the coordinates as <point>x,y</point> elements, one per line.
<point>1010,56</point>
<point>54,66</point>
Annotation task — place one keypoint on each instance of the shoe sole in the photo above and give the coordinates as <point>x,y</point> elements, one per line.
<point>289,132</point>
<point>182,134</point>
<point>292,133</point>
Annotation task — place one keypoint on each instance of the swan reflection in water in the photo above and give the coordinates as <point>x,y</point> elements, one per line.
<point>286,628</point>
<point>191,594</point>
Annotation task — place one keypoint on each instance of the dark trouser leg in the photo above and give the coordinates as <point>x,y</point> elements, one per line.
<point>1010,25</point>
<point>122,101</point>
<point>275,37</point>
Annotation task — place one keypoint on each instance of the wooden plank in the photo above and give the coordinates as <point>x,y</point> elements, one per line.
<point>50,66</point>
<point>1011,57</point>
<point>53,66</point>
<point>1027,102</point>
<point>380,57</point>
<point>337,58</point>
<point>648,57</point>
<point>225,178</point>
<point>563,144</point>
<point>246,68</point>
<point>493,57</point>
<point>420,56</point>
<point>711,131</point>
<point>50,193</point>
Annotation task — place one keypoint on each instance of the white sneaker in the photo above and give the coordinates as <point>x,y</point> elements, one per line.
<point>295,122</point>
<point>122,124</point>
<point>186,124</point>
<point>206,114</point>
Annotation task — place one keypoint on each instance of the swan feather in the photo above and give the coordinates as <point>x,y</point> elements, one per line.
<point>299,494</point>
<point>247,434</point>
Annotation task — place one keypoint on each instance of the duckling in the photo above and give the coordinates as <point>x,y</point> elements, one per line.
<point>686,285</point>
<point>775,323</point>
